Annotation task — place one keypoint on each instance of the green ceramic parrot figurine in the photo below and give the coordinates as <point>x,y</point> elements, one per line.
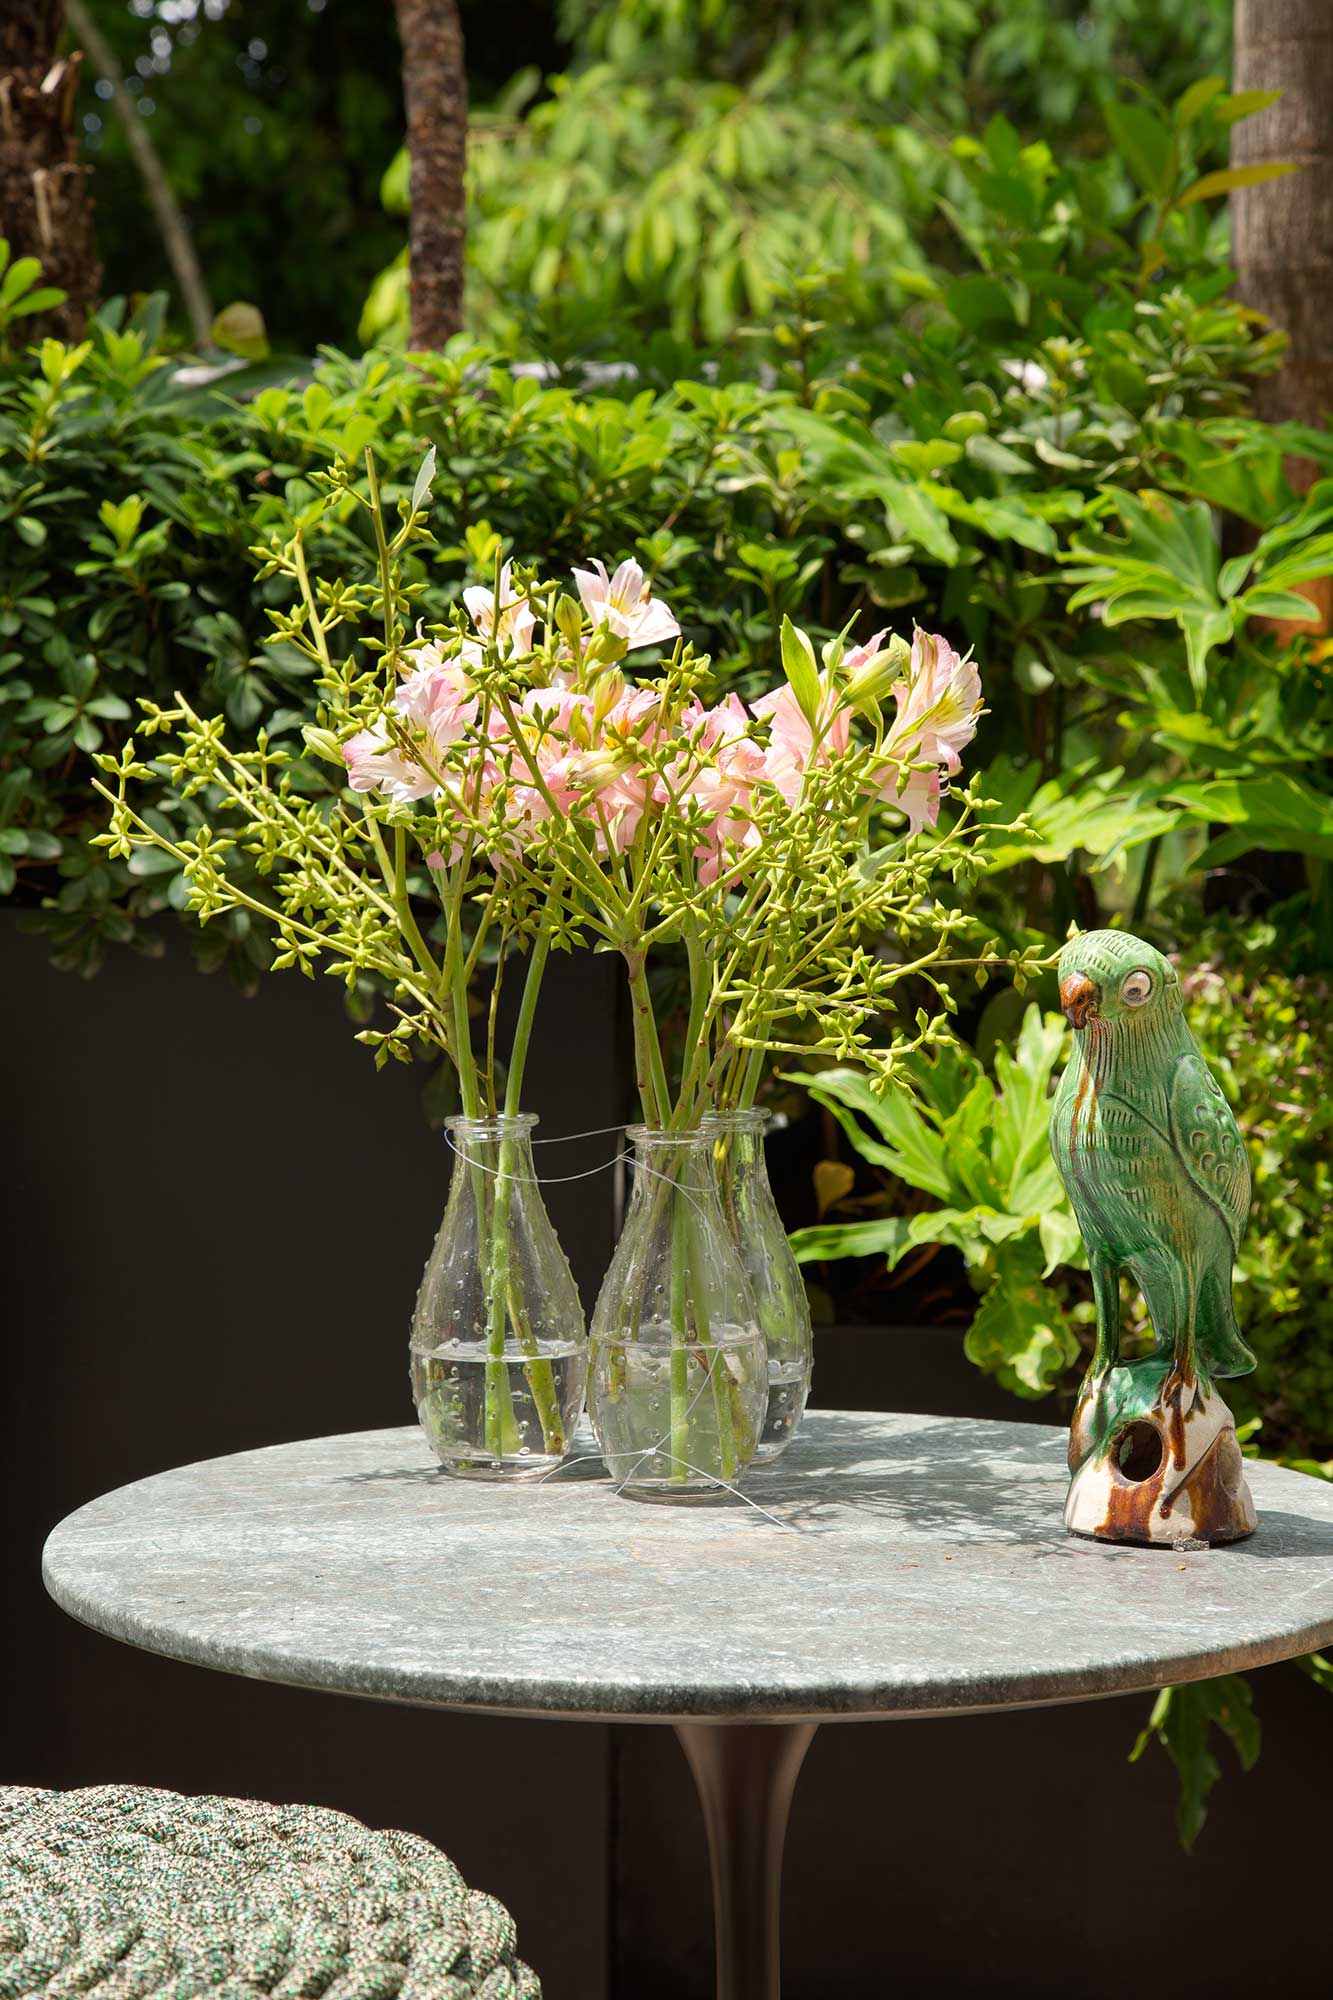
<point>1155,1167</point>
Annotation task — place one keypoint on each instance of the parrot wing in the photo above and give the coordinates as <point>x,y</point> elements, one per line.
<point>1208,1142</point>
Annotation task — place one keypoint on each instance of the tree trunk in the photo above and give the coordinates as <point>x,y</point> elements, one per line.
<point>435,100</point>
<point>44,207</point>
<point>1283,229</point>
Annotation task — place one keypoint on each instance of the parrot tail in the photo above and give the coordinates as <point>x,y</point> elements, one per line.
<point>1217,1336</point>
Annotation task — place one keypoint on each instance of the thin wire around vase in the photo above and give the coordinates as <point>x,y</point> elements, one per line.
<point>559,1180</point>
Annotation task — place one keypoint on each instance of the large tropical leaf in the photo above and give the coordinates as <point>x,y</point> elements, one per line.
<point>1274,810</point>
<point>1165,566</point>
<point>838,451</point>
<point>902,1139</point>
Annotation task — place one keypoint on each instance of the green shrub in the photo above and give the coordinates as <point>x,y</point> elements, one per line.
<point>977,1145</point>
<point>1033,459</point>
<point>134,500</point>
<point>691,160</point>
<point>1268,1035</point>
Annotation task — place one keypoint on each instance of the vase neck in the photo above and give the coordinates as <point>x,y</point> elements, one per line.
<point>483,1142</point>
<point>672,1160</point>
<point>737,1139</point>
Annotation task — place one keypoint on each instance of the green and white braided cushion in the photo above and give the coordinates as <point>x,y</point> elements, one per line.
<point>120,1893</point>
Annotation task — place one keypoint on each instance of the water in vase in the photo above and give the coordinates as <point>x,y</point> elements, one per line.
<point>669,1416</point>
<point>506,1439</point>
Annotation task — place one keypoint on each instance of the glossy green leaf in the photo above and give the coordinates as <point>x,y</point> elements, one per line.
<point>1182,1721</point>
<point>1228,179</point>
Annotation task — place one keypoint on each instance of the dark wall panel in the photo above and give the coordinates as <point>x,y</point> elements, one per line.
<point>217,1216</point>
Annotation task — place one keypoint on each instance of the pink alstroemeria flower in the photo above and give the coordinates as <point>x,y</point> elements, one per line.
<point>722,787</point>
<point>437,696</point>
<point>624,603</point>
<point>375,763</point>
<point>513,634</point>
<point>792,740</point>
<point>938,703</point>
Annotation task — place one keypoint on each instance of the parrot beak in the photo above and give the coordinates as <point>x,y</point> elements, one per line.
<point>1079,996</point>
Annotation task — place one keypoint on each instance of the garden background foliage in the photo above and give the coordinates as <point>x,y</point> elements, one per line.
<point>901,311</point>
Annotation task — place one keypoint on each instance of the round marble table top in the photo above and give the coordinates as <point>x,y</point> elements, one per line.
<point>901,1565</point>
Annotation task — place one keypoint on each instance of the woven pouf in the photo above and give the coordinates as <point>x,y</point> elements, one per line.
<point>118,1893</point>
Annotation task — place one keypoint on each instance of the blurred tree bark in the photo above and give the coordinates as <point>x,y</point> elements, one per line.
<point>435,101</point>
<point>1283,229</point>
<point>45,211</point>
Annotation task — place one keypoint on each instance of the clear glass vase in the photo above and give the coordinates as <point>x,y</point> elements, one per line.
<point>781,1306</point>
<point>499,1344</point>
<point>677,1373</point>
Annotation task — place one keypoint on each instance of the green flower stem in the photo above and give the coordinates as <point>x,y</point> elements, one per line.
<point>506,1281</point>
<point>751,1078</point>
<point>491,1202</point>
<point>402,902</point>
<point>696,1037</point>
<point>650,1070</point>
<point>502,1433</point>
<point>387,592</point>
<point>712,1357</point>
<point>680,1352</point>
<point>518,1054</point>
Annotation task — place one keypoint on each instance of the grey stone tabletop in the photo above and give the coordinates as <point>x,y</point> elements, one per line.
<point>901,1565</point>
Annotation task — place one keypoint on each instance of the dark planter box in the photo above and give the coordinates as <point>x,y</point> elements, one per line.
<point>219,1214</point>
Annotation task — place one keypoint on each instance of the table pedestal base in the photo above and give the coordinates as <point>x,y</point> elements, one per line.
<point>745,1773</point>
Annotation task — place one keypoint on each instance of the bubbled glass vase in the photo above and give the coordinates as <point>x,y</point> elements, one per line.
<point>678,1371</point>
<point>499,1348</point>
<point>781,1306</point>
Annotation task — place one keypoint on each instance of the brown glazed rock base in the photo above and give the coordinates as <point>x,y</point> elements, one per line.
<point>1164,1473</point>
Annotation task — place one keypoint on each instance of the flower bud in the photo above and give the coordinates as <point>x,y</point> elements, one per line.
<point>604,648</point>
<point>594,770</point>
<point>569,619</point>
<point>607,691</point>
<point>323,743</point>
<point>873,678</point>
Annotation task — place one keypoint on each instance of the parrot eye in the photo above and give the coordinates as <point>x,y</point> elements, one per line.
<point>1136,989</point>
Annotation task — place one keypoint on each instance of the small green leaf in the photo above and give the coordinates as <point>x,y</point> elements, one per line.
<point>42,300</point>
<point>1144,141</point>
<point>422,484</point>
<point>20,277</point>
<point>887,1237</point>
<point>1181,1720</point>
<point>1196,100</point>
<point>1243,104</point>
<point>240,328</point>
<point>926,456</point>
<point>798,663</point>
<point>1228,178</point>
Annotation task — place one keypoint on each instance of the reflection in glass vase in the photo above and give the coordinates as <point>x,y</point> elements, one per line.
<point>678,1373</point>
<point>781,1306</point>
<point>499,1347</point>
